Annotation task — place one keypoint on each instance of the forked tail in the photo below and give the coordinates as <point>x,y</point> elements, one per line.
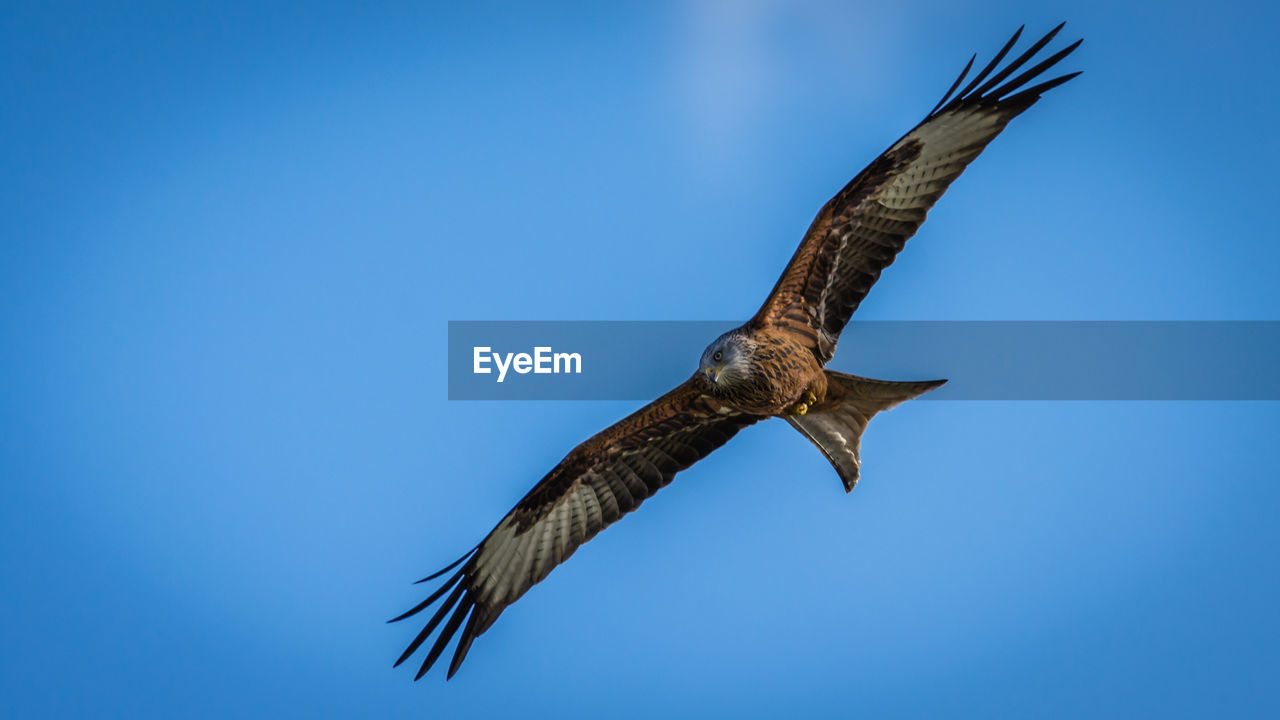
<point>835,425</point>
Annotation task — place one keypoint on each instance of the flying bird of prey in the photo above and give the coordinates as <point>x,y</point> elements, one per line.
<point>772,366</point>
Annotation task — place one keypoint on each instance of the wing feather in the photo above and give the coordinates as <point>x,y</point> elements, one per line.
<point>597,483</point>
<point>990,66</point>
<point>861,230</point>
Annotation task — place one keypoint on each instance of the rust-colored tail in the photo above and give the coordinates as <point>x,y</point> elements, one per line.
<point>835,425</point>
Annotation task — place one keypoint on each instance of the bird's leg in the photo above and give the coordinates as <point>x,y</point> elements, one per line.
<point>806,399</point>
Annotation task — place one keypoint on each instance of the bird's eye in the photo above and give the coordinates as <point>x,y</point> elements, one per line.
<point>718,356</point>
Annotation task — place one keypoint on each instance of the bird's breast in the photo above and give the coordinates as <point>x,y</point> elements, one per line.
<point>780,368</point>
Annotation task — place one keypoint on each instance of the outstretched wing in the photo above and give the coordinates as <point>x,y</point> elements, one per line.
<point>860,231</point>
<point>598,482</point>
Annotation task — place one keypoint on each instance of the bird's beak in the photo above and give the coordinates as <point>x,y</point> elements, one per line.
<point>713,373</point>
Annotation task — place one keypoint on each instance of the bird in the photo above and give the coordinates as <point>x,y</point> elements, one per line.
<point>772,366</point>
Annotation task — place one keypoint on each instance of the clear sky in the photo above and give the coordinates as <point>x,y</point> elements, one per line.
<point>233,237</point>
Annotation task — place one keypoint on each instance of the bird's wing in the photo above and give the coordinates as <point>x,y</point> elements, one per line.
<point>858,232</point>
<point>596,484</point>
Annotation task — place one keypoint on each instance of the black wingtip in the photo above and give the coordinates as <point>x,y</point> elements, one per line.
<point>464,643</point>
<point>446,634</point>
<point>444,570</point>
<point>430,598</point>
<point>959,79</point>
<point>1017,62</point>
<point>432,623</point>
<point>457,607</point>
<point>1035,71</point>
<point>980,87</point>
<point>1036,91</point>
<point>995,61</point>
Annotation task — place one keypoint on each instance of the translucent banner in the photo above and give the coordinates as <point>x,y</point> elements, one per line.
<point>590,360</point>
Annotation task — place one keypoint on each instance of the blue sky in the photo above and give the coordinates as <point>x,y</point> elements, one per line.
<point>234,237</point>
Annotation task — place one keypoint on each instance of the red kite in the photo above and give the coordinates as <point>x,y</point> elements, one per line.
<point>773,366</point>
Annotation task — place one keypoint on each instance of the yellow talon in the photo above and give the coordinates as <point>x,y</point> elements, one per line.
<point>800,409</point>
<point>809,397</point>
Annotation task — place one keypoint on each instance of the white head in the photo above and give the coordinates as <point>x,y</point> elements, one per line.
<point>726,361</point>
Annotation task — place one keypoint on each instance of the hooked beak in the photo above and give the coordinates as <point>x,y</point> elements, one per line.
<point>713,373</point>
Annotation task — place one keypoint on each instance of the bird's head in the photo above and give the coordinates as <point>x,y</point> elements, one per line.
<point>725,361</point>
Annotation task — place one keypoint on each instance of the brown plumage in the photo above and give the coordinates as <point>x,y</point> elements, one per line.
<point>773,366</point>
